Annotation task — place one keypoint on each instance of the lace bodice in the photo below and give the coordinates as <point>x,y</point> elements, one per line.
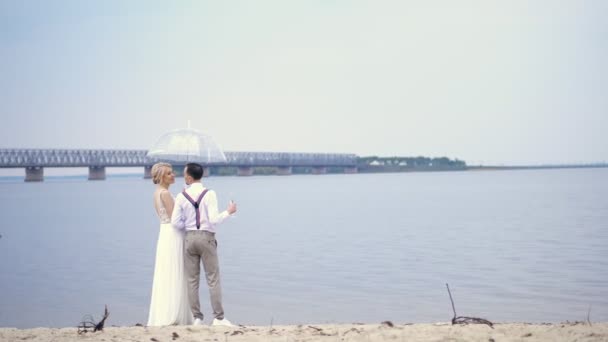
<point>162,212</point>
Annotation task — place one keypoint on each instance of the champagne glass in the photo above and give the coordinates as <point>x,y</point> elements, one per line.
<point>231,200</point>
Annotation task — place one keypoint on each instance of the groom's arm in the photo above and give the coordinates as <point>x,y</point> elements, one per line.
<point>177,219</point>
<point>215,217</point>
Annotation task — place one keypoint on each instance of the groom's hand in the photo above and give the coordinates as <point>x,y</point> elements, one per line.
<point>231,208</point>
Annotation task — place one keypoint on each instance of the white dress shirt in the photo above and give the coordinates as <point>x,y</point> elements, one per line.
<point>184,214</point>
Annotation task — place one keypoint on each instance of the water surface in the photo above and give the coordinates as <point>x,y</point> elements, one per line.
<point>513,245</point>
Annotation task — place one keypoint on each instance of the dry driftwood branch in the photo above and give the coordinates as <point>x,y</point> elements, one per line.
<point>88,324</point>
<point>466,320</point>
<point>315,328</point>
<point>388,323</point>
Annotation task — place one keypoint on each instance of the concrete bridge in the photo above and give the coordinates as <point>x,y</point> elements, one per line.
<point>35,160</point>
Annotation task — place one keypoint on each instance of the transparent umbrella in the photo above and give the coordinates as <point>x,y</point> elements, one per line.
<point>187,145</point>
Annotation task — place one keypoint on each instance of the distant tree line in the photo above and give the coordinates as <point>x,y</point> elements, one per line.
<point>411,162</point>
<point>371,164</point>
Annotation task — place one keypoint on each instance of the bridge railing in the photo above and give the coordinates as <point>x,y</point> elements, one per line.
<point>70,158</point>
<point>119,158</point>
<point>289,159</point>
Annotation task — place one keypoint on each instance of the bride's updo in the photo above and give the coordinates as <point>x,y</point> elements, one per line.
<point>158,170</point>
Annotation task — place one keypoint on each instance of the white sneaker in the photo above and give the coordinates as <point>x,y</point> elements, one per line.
<point>198,321</point>
<point>222,322</point>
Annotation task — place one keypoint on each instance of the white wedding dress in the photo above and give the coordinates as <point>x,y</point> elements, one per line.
<point>169,303</point>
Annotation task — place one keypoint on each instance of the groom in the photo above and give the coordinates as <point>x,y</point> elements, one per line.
<point>196,211</point>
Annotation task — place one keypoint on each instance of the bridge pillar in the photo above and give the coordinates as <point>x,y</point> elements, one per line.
<point>206,171</point>
<point>319,170</point>
<point>34,174</point>
<point>283,170</point>
<point>244,171</point>
<point>178,170</point>
<point>352,169</point>
<point>147,172</point>
<point>97,172</point>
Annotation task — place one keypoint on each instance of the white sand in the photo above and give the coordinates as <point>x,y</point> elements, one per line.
<point>314,332</point>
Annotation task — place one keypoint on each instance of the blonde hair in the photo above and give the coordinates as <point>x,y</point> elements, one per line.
<point>157,171</point>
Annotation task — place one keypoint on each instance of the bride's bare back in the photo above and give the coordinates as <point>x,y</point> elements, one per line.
<point>163,203</point>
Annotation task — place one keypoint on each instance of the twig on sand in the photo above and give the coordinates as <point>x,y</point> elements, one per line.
<point>321,332</point>
<point>88,324</point>
<point>588,314</point>
<point>388,323</point>
<point>352,330</point>
<point>463,319</point>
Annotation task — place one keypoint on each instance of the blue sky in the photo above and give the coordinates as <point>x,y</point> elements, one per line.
<point>492,82</point>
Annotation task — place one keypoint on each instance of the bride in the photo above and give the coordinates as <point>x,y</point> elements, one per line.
<point>169,302</point>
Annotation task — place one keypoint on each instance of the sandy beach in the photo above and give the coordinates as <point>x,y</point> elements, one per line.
<point>324,332</point>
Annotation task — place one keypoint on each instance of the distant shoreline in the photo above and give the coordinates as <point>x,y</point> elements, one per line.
<point>536,167</point>
<point>362,170</point>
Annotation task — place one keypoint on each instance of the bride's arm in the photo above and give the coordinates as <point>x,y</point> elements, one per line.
<point>168,202</point>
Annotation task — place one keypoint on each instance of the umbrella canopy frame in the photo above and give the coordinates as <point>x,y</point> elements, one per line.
<point>187,145</point>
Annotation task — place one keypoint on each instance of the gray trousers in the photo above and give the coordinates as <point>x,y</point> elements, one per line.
<point>201,245</point>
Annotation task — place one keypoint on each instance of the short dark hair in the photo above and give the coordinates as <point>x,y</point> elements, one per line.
<point>194,170</point>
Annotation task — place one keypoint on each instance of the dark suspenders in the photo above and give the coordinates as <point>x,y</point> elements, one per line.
<point>196,206</point>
